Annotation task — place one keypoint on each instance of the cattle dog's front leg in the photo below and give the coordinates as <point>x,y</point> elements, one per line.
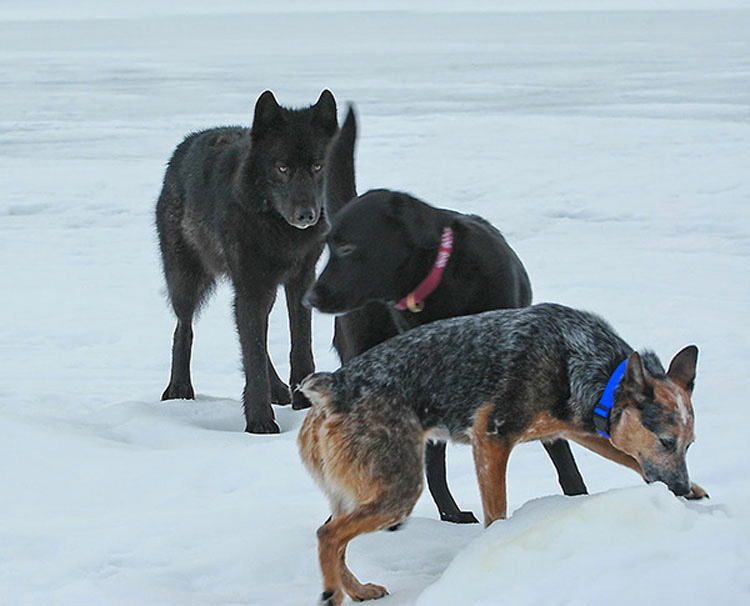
<point>603,446</point>
<point>438,485</point>
<point>491,454</point>
<point>251,308</point>
<point>300,326</point>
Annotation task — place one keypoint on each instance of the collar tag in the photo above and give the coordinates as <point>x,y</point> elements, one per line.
<point>604,407</point>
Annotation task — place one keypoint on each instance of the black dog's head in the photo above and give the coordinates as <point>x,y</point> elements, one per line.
<point>376,243</point>
<point>287,156</point>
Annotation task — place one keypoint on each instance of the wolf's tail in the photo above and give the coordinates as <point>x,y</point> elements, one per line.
<point>340,186</point>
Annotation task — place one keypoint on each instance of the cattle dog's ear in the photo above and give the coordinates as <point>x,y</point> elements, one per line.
<point>635,381</point>
<point>324,112</point>
<point>682,368</point>
<point>267,114</point>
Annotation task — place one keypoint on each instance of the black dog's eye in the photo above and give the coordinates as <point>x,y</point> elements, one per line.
<point>282,168</point>
<point>317,167</point>
<point>345,249</point>
<point>669,444</point>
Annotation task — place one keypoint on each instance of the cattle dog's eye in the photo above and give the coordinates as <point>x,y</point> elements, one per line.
<point>282,168</point>
<point>317,167</point>
<point>669,443</point>
<point>345,249</point>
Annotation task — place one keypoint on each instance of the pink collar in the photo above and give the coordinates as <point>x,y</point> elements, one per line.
<point>414,301</point>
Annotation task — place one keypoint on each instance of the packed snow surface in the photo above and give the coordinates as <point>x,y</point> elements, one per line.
<point>608,141</point>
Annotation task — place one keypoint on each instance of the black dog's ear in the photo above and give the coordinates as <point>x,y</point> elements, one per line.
<point>340,185</point>
<point>682,368</point>
<point>267,113</point>
<point>324,112</point>
<point>418,226</point>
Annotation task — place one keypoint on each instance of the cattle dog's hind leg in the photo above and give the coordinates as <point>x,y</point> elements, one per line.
<point>568,474</point>
<point>438,484</point>
<point>333,537</point>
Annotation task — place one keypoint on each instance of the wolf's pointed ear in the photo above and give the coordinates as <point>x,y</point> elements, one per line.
<point>267,113</point>
<point>682,368</point>
<point>324,112</point>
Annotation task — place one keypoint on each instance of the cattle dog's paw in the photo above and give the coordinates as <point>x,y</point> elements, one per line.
<point>300,401</point>
<point>280,394</point>
<point>262,426</point>
<point>369,591</point>
<point>331,598</point>
<point>696,493</point>
<point>459,517</point>
<point>178,391</point>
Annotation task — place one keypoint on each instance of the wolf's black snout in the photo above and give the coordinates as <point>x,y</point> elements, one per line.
<point>306,216</point>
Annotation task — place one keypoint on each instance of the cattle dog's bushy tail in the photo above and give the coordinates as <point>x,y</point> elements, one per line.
<point>365,479</point>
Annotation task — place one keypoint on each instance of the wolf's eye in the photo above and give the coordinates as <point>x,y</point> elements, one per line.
<point>669,444</point>
<point>317,167</point>
<point>282,168</point>
<point>345,249</point>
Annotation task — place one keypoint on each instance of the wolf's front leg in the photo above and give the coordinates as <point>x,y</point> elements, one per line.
<point>251,309</point>
<point>300,326</point>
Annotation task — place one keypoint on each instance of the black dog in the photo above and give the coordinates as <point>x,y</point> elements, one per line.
<point>247,204</point>
<point>382,246</point>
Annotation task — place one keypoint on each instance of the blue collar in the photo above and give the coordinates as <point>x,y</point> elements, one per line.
<point>604,407</point>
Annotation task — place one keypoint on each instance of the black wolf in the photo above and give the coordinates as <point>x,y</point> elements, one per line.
<point>247,204</point>
<point>493,380</point>
<point>382,246</point>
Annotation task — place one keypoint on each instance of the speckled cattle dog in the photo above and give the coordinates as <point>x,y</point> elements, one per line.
<point>395,263</point>
<point>493,380</point>
<point>247,203</point>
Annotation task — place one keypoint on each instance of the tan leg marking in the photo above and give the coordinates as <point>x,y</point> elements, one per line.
<point>491,460</point>
<point>602,446</point>
<point>332,541</point>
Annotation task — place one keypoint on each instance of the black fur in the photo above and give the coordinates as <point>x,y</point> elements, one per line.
<point>247,204</point>
<point>382,245</point>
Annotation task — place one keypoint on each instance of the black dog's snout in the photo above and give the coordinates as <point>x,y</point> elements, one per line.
<point>311,299</point>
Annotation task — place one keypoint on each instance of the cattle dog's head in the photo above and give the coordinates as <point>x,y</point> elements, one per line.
<point>375,243</point>
<point>652,418</point>
<point>287,156</point>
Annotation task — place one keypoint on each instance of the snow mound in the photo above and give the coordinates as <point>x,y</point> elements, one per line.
<point>639,544</point>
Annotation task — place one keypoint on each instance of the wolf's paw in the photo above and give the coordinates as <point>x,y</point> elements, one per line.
<point>459,517</point>
<point>369,591</point>
<point>696,493</point>
<point>280,394</point>
<point>300,401</point>
<point>262,426</point>
<point>178,391</point>
<point>331,598</point>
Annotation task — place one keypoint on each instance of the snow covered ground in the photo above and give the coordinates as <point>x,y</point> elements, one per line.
<point>612,148</point>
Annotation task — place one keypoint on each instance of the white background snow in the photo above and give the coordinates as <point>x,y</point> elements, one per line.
<point>612,148</point>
